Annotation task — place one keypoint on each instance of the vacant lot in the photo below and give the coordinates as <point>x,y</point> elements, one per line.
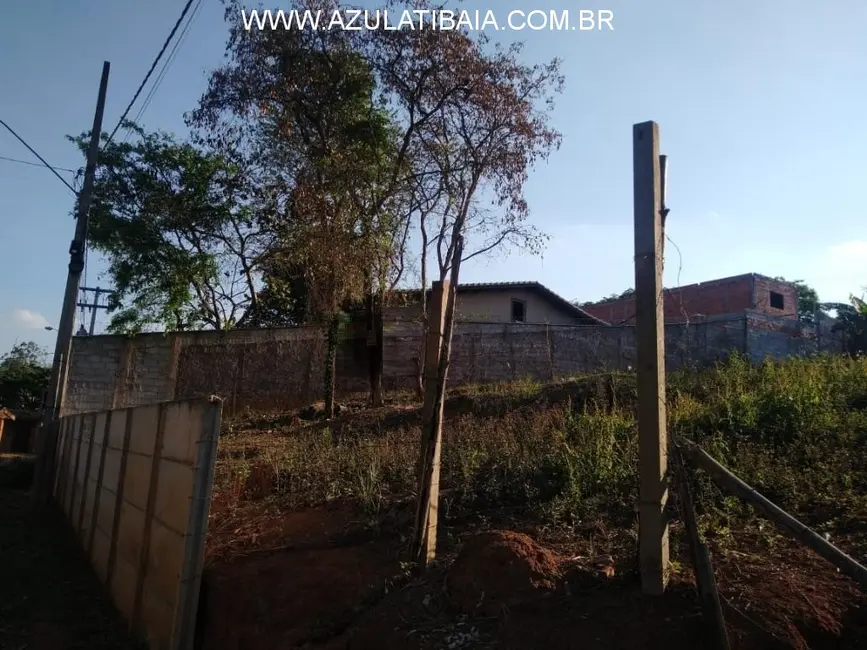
<point>310,520</point>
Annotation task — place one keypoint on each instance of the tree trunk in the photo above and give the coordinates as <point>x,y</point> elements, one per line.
<point>331,364</point>
<point>374,349</point>
<point>419,371</point>
<point>419,376</point>
<point>425,531</point>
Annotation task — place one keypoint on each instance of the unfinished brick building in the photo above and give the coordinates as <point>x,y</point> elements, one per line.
<point>726,296</point>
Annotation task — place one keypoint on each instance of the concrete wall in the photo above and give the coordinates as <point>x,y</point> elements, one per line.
<point>248,368</point>
<point>489,352</point>
<point>715,298</point>
<point>282,369</point>
<point>135,486</point>
<point>777,338</point>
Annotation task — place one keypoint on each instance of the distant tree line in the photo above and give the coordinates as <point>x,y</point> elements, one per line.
<point>23,377</point>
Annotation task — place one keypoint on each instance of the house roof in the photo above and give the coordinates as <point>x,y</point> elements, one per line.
<point>537,288</point>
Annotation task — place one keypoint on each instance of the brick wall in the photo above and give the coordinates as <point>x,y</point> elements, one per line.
<point>256,368</point>
<point>763,303</point>
<point>733,295</point>
<point>491,352</point>
<point>769,336</point>
<point>282,368</point>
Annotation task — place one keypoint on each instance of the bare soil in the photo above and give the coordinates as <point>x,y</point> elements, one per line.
<point>323,579</point>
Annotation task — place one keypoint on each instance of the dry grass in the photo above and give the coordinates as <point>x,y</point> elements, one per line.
<point>559,461</point>
<point>567,451</point>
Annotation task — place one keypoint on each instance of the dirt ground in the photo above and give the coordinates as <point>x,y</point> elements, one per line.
<point>49,597</point>
<point>322,579</point>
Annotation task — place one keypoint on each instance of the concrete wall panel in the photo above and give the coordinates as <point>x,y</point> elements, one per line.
<point>181,431</point>
<point>157,615</point>
<point>136,480</point>
<point>111,470</point>
<point>96,448</point>
<point>130,532</point>
<point>105,513</point>
<point>123,586</point>
<point>174,492</point>
<point>128,480</point>
<point>143,429</point>
<point>99,554</point>
<point>117,431</point>
<point>165,563</point>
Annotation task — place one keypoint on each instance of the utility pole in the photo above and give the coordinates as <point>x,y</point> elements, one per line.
<point>59,368</point>
<point>650,340</point>
<point>93,306</point>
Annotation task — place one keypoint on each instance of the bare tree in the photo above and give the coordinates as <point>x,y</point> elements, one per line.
<point>475,120</point>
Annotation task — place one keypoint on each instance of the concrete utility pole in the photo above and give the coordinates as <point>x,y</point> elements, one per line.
<point>650,337</point>
<point>93,306</point>
<point>56,386</point>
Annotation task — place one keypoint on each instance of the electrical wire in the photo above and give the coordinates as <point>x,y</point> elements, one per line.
<point>168,62</point>
<point>33,164</point>
<point>35,153</point>
<point>152,68</point>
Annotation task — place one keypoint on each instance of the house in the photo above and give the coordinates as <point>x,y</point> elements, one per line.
<point>726,296</point>
<point>514,302</point>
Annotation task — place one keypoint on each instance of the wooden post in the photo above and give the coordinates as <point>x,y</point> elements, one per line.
<point>425,534</point>
<point>429,442</point>
<point>704,576</point>
<point>783,520</point>
<point>650,340</point>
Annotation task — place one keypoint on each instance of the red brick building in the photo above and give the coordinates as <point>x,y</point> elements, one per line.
<point>734,295</point>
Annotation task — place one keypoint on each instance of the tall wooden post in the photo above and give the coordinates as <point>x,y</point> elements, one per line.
<point>650,340</point>
<point>437,371</point>
<point>424,545</point>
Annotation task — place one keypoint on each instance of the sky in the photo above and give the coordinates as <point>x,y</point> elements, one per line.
<point>760,107</point>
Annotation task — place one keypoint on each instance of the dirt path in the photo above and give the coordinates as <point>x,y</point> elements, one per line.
<point>49,597</point>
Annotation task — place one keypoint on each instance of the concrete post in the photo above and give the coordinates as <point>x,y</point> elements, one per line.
<point>650,339</point>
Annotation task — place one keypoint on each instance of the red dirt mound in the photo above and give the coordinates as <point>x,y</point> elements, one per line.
<point>501,569</point>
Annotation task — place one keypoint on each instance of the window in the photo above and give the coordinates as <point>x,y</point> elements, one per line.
<point>519,309</point>
<point>777,301</point>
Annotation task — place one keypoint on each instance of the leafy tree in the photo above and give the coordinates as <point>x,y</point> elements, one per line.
<point>283,299</point>
<point>852,322</point>
<point>627,293</point>
<point>184,244</point>
<point>24,377</point>
<point>354,136</point>
<point>310,126</point>
<point>475,120</point>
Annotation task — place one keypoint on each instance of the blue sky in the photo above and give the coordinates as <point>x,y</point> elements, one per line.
<point>760,106</point>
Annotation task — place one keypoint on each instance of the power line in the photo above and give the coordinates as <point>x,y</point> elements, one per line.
<point>33,164</point>
<point>35,153</point>
<point>169,60</point>
<point>152,68</point>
